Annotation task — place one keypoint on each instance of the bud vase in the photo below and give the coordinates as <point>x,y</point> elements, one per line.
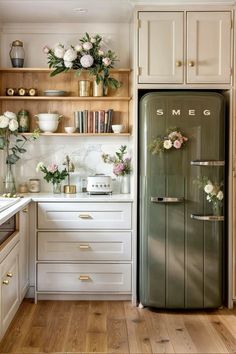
<point>9,185</point>
<point>57,188</point>
<point>124,184</point>
<point>217,209</point>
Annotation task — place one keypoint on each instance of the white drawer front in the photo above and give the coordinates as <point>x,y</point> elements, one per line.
<point>97,246</point>
<point>84,277</point>
<point>84,216</point>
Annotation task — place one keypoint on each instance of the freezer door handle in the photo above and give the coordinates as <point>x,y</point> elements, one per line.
<point>207,163</point>
<point>167,200</point>
<point>207,217</point>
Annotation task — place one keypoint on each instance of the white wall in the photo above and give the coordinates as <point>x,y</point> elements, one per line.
<point>86,152</point>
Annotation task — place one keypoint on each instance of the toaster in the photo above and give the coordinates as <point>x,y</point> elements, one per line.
<point>99,184</point>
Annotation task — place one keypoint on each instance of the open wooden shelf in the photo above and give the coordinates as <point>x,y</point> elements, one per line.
<point>80,134</point>
<point>47,70</point>
<point>64,98</point>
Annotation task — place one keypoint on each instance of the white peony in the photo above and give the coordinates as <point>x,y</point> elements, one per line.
<point>13,125</point>
<point>220,195</point>
<point>106,61</point>
<point>10,115</point>
<point>100,52</point>
<point>4,121</point>
<point>78,48</point>
<point>59,51</point>
<point>68,64</point>
<point>87,46</point>
<point>208,188</point>
<point>86,61</point>
<point>208,198</point>
<point>70,55</point>
<point>167,144</point>
<point>93,40</point>
<point>39,166</point>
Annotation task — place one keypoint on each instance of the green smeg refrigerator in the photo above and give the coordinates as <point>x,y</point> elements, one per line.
<point>182,199</point>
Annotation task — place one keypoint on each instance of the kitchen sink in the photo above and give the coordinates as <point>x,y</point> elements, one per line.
<point>7,202</point>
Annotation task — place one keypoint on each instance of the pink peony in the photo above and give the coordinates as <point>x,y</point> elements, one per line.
<point>52,168</point>
<point>177,144</point>
<point>86,61</point>
<point>46,49</point>
<point>118,169</point>
<point>106,61</point>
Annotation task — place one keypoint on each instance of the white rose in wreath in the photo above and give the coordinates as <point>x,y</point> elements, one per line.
<point>87,46</point>
<point>59,51</point>
<point>86,61</point>
<point>208,188</point>
<point>167,144</point>
<point>78,48</point>
<point>106,61</point>
<point>13,125</point>
<point>68,64</point>
<point>4,121</point>
<point>220,195</point>
<point>70,55</point>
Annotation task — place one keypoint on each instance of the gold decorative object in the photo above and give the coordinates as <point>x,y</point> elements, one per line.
<point>70,167</point>
<point>97,89</point>
<point>84,88</point>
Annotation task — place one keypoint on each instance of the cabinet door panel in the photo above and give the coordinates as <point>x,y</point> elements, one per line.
<point>208,47</point>
<point>161,47</point>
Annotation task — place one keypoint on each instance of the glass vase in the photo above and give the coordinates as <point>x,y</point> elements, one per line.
<point>57,188</point>
<point>217,209</point>
<point>124,184</point>
<point>9,185</point>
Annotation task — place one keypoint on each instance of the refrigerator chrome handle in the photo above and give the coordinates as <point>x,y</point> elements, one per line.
<point>207,163</point>
<point>167,200</point>
<point>207,217</point>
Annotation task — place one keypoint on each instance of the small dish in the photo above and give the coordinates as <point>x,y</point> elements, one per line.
<point>54,93</point>
<point>69,130</point>
<point>117,128</point>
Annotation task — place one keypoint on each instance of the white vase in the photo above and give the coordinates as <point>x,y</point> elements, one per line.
<point>125,184</point>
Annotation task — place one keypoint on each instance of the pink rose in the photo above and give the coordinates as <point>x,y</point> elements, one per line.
<point>106,61</point>
<point>46,49</point>
<point>52,168</point>
<point>118,169</point>
<point>177,144</point>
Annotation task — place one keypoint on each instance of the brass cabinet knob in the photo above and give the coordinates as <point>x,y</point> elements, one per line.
<point>84,246</point>
<point>85,216</point>
<point>84,277</point>
<point>191,63</point>
<point>9,275</point>
<point>25,210</point>
<point>5,282</point>
<point>178,63</point>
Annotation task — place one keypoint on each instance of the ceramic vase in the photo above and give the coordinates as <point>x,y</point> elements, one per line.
<point>124,184</point>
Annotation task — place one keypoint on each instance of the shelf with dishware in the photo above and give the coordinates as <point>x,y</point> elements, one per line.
<point>35,91</point>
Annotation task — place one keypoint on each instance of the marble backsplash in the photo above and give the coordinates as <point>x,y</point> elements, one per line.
<point>85,153</point>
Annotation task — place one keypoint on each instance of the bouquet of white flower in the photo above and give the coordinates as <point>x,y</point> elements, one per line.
<point>86,55</point>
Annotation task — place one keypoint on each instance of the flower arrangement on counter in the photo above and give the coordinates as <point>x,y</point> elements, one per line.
<point>214,192</point>
<point>86,55</point>
<point>14,147</point>
<point>52,173</point>
<point>121,164</point>
<point>174,138</point>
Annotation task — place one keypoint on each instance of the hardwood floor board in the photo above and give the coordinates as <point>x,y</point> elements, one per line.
<point>139,341</point>
<point>228,317</point>
<point>117,336</point>
<point>179,336</point>
<point>156,327</point>
<point>97,317</point>
<point>76,336</point>
<point>228,339</point>
<point>96,342</point>
<point>115,310</point>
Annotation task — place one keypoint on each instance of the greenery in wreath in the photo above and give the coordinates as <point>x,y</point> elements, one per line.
<point>174,139</point>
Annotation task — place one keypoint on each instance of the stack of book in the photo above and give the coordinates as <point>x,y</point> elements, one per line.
<point>93,121</point>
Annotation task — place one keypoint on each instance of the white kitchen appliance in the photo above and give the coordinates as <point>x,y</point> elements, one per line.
<point>99,184</point>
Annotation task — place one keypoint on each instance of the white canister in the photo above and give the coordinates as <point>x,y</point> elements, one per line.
<point>34,185</point>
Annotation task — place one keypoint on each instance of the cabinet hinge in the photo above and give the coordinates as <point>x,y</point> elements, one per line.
<point>139,23</point>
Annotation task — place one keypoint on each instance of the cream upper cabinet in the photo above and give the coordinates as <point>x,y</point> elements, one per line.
<point>208,47</point>
<point>161,47</point>
<point>163,42</point>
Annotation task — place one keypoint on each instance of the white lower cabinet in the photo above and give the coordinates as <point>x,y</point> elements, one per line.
<point>84,248</point>
<point>10,290</point>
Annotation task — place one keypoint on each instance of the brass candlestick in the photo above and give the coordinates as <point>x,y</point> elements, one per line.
<point>68,188</point>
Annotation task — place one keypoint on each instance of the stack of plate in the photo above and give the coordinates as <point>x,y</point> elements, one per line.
<point>54,93</point>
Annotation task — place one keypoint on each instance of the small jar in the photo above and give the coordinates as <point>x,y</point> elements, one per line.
<point>23,188</point>
<point>23,121</point>
<point>34,185</point>
<point>17,54</point>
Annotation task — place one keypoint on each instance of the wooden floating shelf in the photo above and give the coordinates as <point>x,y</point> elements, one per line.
<point>64,98</point>
<point>47,70</point>
<point>79,134</point>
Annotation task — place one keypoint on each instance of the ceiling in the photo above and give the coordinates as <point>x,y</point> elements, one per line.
<point>22,11</point>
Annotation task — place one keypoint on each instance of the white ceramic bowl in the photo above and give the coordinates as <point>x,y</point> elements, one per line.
<point>69,130</point>
<point>117,128</point>
<point>48,126</point>
<point>48,116</point>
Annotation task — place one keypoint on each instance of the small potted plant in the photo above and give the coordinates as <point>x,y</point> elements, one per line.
<point>53,174</point>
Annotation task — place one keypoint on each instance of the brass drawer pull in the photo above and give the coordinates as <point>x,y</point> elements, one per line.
<point>84,246</point>
<point>9,275</point>
<point>85,216</point>
<point>84,277</point>
<point>5,282</point>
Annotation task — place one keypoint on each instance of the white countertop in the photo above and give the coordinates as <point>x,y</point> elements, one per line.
<point>50,197</point>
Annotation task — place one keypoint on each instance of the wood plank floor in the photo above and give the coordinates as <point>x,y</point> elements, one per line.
<point>117,327</point>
